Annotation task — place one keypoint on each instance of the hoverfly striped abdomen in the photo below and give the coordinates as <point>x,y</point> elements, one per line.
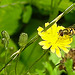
<point>67,31</point>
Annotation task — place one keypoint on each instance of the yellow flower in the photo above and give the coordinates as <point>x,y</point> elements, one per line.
<point>52,40</point>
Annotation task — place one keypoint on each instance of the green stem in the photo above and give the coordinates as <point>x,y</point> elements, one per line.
<point>8,63</point>
<point>5,60</point>
<point>16,65</point>
<point>60,16</point>
<point>6,50</point>
<point>31,41</point>
<point>69,9</point>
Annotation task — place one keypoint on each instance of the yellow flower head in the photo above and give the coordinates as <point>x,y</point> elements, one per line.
<point>52,39</point>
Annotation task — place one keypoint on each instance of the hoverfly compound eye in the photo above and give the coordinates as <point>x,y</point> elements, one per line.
<point>61,32</point>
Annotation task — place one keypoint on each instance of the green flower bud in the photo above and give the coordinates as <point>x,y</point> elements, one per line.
<point>23,40</point>
<point>5,35</point>
<point>3,41</point>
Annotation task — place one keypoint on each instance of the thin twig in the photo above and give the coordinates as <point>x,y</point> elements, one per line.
<point>57,64</point>
<point>6,49</point>
<point>31,41</point>
<point>16,65</point>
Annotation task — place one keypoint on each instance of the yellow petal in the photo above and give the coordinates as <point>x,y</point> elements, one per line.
<point>58,52</point>
<point>52,49</point>
<point>44,36</point>
<point>64,49</point>
<point>46,46</point>
<point>41,33</point>
<point>68,46</point>
<point>52,39</point>
<point>46,24</point>
<point>42,43</point>
<point>70,40</point>
<point>40,29</point>
<point>64,40</point>
<point>54,29</point>
<point>67,39</point>
<point>60,28</point>
<point>54,25</point>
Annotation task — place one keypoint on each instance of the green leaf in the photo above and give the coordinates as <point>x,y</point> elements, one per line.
<point>31,54</point>
<point>11,49</point>
<point>34,51</point>
<point>68,65</point>
<point>55,59</point>
<point>54,9</point>
<point>16,66</point>
<point>9,17</point>
<point>70,18</point>
<point>27,14</point>
<point>40,72</point>
<point>73,42</point>
<point>50,69</point>
<point>33,25</point>
<point>64,4</point>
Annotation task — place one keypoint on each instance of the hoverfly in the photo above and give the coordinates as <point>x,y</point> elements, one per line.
<point>67,31</point>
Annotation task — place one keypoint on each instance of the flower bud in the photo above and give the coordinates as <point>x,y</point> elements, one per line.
<point>23,40</point>
<point>5,35</point>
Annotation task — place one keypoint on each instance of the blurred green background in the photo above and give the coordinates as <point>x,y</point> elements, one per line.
<point>17,16</point>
